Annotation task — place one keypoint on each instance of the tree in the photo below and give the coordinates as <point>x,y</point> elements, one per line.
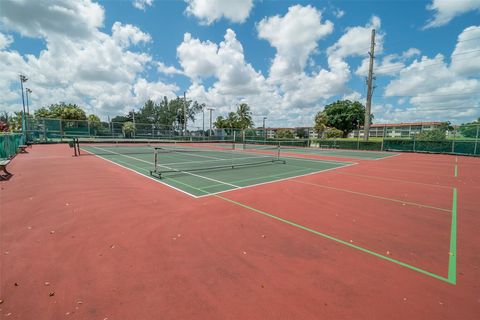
<point>61,111</point>
<point>4,121</point>
<point>284,134</point>
<point>470,130</point>
<point>333,133</point>
<point>128,129</point>
<point>15,122</point>
<point>244,117</point>
<point>320,123</point>
<point>438,134</point>
<point>95,124</point>
<point>344,115</point>
<point>241,119</point>
<point>302,133</point>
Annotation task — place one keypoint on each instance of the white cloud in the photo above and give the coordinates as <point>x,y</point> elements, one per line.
<point>5,41</point>
<point>391,64</point>
<point>102,74</point>
<point>198,59</point>
<point>209,11</point>
<point>168,70</point>
<point>127,35</point>
<point>446,10</point>
<point>338,13</point>
<point>142,4</point>
<point>41,18</point>
<point>294,36</point>
<point>466,56</point>
<point>356,41</point>
<point>235,79</point>
<point>437,90</point>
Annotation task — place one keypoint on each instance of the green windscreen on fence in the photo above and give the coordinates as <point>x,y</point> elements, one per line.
<point>466,147</point>
<point>9,143</point>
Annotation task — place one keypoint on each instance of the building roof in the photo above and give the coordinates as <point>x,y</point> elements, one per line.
<point>406,124</point>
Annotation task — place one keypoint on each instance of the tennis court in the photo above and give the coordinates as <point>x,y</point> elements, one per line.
<point>201,169</point>
<point>216,229</point>
<point>303,147</point>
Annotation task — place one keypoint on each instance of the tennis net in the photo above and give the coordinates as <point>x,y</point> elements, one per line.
<point>269,143</point>
<point>168,159</point>
<point>146,146</point>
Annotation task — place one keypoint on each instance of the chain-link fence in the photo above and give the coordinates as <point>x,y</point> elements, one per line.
<point>9,143</point>
<point>463,139</point>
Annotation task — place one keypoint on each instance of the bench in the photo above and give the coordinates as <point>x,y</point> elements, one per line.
<point>22,148</point>
<point>3,167</point>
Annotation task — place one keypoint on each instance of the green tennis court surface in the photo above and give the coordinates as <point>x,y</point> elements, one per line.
<point>182,165</point>
<point>296,146</point>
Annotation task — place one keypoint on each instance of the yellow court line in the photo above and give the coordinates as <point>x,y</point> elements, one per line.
<point>373,196</point>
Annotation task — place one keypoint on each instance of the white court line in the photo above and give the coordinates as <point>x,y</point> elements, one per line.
<point>142,174</point>
<point>347,164</point>
<point>189,173</point>
<point>277,180</point>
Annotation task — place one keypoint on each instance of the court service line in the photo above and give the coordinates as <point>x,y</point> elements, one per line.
<point>147,176</point>
<point>374,196</point>
<point>342,154</point>
<point>262,177</point>
<point>326,236</point>
<point>157,180</point>
<point>189,173</point>
<point>278,180</point>
<point>392,179</point>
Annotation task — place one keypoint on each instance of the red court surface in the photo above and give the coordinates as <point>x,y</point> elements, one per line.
<point>396,238</point>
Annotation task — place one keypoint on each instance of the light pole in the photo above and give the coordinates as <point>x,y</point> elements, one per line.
<point>264,129</point>
<point>184,113</point>
<point>22,80</point>
<point>210,109</point>
<point>203,126</point>
<point>27,91</point>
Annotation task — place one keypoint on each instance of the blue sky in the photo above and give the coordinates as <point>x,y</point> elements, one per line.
<point>286,59</point>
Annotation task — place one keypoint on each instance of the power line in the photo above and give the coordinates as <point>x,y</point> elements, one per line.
<point>427,65</point>
<point>429,95</point>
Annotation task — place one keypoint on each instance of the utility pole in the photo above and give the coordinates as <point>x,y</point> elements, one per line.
<point>368,107</point>
<point>184,113</point>
<point>210,109</point>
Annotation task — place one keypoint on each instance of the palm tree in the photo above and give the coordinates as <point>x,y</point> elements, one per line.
<point>244,116</point>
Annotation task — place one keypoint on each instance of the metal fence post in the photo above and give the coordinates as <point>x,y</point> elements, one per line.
<point>476,140</point>
<point>453,142</point>
<point>383,137</point>
<point>358,139</point>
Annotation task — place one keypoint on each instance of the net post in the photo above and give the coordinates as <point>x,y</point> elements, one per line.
<point>77,145</point>
<point>155,162</point>
<point>74,145</point>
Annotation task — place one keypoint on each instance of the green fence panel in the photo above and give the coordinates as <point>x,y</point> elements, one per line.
<point>9,143</point>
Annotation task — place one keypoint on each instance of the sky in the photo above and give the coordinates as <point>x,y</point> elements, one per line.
<point>286,59</point>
